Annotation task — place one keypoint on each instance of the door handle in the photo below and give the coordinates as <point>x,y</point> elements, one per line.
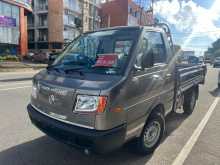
<point>157,77</point>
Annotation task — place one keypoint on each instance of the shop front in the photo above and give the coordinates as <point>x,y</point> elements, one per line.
<point>13,27</point>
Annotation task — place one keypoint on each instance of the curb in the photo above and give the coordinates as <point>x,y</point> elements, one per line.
<point>20,69</point>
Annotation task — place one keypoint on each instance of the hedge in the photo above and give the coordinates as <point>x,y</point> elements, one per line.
<point>9,58</point>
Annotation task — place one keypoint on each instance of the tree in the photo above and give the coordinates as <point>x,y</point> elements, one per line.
<point>213,51</point>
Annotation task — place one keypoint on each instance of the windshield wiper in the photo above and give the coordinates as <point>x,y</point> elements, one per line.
<point>75,69</point>
<point>53,67</point>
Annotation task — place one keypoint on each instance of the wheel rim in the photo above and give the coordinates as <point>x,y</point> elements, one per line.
<point>192,103</point>
<point>152,134</point>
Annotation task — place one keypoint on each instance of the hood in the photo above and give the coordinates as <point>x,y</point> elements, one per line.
<point>56,95</point>
<point>89,81</point>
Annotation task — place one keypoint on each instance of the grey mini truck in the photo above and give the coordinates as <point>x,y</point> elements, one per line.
<point>112,86</point>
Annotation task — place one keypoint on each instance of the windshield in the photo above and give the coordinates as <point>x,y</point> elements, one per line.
<point>103,52</point>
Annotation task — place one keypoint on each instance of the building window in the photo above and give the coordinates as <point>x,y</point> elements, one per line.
<point>69,18</point>
<point>73,5</point>
<point>56,45</point>
<point>42,5</point>
<point>43,20</point>
<point>31,35</point>
<point>31,46</point>
<point>43,35</point>
<point>130,9</point>
<point>9,27</point>
<point>30,19</point>
<point>43,45</point>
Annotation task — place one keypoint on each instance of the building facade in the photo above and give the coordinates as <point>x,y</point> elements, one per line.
<point>91,18</point>
<point>55,23</point>
<point>13,26</point>
<point>124,13</point>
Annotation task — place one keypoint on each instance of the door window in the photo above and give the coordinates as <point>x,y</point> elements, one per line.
<point>154,43</point>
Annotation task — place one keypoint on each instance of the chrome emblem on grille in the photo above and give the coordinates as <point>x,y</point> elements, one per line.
<point>52,99</point>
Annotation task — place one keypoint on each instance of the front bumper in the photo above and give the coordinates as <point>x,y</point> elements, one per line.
<point>81,138</point>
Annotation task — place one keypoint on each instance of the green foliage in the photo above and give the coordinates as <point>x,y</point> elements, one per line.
<point>9,58</point>
<point>213,51</point>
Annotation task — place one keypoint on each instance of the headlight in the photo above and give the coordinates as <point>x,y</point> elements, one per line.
<point>85,103</point>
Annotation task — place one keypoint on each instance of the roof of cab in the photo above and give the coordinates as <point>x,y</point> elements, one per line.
<point>153,28</point>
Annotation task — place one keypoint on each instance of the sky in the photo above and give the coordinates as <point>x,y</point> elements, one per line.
<point>195,24</point>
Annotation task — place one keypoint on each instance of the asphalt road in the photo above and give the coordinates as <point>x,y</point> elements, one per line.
<point>187,139</point>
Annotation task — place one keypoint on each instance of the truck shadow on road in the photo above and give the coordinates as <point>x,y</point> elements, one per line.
<point>46,151</point>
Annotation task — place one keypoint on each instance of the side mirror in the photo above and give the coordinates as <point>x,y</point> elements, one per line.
<point>52,58</point>
<point>137,68</point>
<point>148,60</point>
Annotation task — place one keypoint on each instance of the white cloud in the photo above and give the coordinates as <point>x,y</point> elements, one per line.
<point>187,16</point>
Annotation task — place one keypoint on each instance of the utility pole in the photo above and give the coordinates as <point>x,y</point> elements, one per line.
<point>152,7</point>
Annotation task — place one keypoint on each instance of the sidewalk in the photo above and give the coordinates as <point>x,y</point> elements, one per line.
<point>20,66</point>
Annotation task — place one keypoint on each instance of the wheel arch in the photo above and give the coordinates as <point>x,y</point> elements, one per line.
<point>153,110</point>
<point>158,108</point>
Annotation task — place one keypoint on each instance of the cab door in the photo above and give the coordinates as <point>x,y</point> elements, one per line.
<point>146,84</point>
<point>169,76</point>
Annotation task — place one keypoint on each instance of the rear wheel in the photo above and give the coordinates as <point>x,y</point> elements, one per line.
<point>151,134</point>
<point>190,98</point>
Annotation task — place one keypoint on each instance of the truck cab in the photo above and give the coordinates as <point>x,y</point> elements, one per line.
<point>108,87</point>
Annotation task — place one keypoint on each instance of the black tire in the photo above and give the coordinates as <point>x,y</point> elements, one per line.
<point>141,144</point>
<point>190,98</point>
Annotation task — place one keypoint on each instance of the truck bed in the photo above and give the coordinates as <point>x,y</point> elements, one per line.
<point>189,75</point>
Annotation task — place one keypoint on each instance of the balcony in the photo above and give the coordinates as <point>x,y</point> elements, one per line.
<point>42,6</point>
<point>73,6</point>
<point>42,25</point>
<point>42,10</point>
<point>42,39</point>
<point>132,21</point>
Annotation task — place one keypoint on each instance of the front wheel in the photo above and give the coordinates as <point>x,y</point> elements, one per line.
<point>190,98</point>
<point>151,134</point>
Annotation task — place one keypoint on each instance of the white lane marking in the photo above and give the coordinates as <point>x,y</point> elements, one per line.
<point>12,84</point>
<point>193,139</point>
<point>7,89</point>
